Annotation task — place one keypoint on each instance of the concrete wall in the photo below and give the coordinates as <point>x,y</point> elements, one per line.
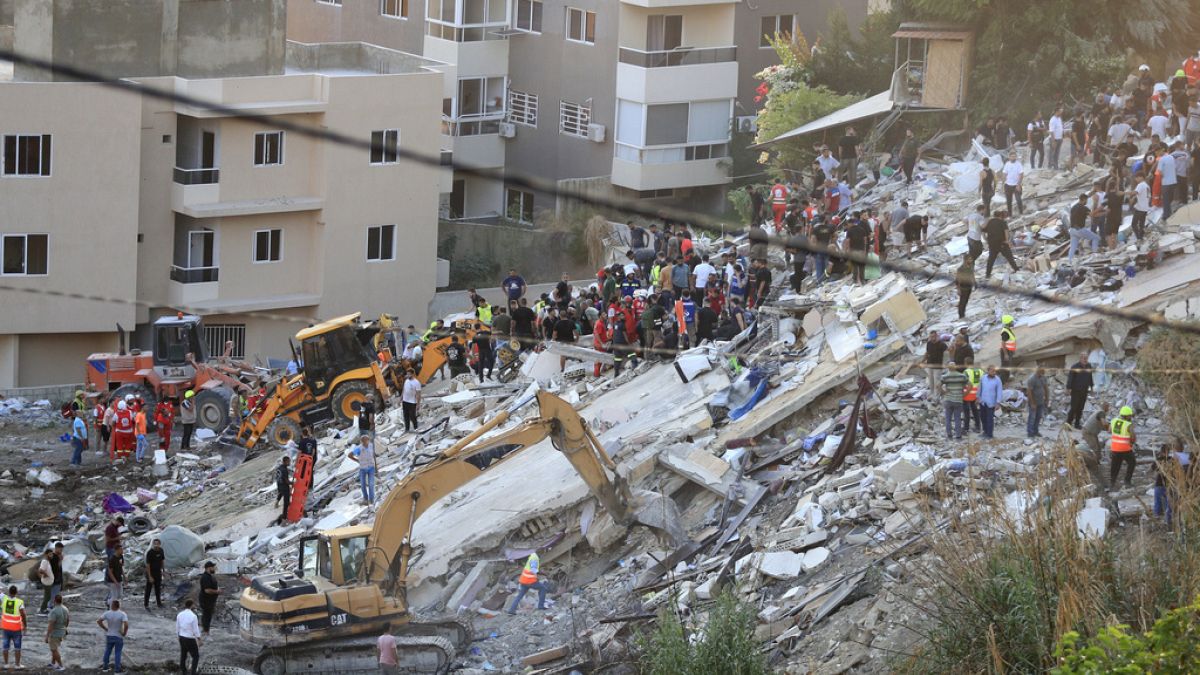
<point>58,359</point>
<point>88,206</point>
<point>813,17</point>
<point>142,38</point>
<point>309,21</point>
<point>241,180</point>
<point>498,248</point>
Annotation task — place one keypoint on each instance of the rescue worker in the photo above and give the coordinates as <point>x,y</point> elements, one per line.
<point>238,407</point>
<point>1121,447</point>
<point>12,623</point>
<point>164,419</point>
<point>283,487</point>
<point>99,415</point>
<point>600,342</point>
<point>123,437</point>
<point>79,404</point>
<point>187,416</point>
<point>1008,346</point>
<point>529,581</point>
<point>139,430</point>
<point>779,195</point>
<point>483,311</point>
<point>971,396</point>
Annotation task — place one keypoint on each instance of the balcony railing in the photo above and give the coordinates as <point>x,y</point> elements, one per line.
<point>680,56</point>
<point>197,176</point>
<point>474,124</point>
<point>193,275</point>
<point>671,154</point>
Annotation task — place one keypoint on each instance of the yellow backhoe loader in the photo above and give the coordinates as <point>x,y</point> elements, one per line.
<point>352,580</point>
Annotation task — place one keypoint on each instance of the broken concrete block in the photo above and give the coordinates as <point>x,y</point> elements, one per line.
<point>47,477</point>
<point>692,363</point>
<point>182,547</point>
<point>829,501</point>
<point>781,564</point>
<point>476,579</point>
<point>815,558</point>
<point>1092,522</point>
<point>707,589</point>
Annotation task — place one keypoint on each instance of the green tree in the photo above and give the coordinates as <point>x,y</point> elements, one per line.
<point>724,645</point>
<point>856,65</point>
<point>1171,646</point>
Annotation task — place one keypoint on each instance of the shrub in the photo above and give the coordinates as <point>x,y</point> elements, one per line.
<point>724,645</point>
<point>1171,646</point>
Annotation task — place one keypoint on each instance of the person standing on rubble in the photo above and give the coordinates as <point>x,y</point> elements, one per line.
<point>114,574</point>
<point>1014,174</point>
<point>1037,391</point>
<point>56,631</point>
<point>187,417</point>
<point>164,419</point>
<point>954,386</point>
<point>187,628</point>
<point>210,590</point>
<point>139,430</point>
<point>13,623</point>
<point>528,581</point>
<point>1008,345</point>
<point>154,563</point>
<point>1078,226</point>
<point>115,625</point>
<point>1121,444</point>
<point>456,357</point>
<point>910,151</point>
<point>1056,130</point>
<point>964,278</point>
<point>990,391</point>
<point>79,437</point>
<point>364,454</point>
<point>112,536</point>
<point>283,488</point>
<point>1079,384</point>
<point>935,353</point>
<point>975,223</point>
<point>50,574</point>
<point>1036,135</point>
<point>987,186</point>
<point>971,396</point>
<point>996,232</point>
<point>1093,426</point>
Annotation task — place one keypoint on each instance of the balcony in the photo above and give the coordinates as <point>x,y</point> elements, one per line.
<point>194,275</point>
<point>674,166</point>
<point>680,56</point>
<point>197,176</point>
<point>677,75</point>
<point>192,285</point>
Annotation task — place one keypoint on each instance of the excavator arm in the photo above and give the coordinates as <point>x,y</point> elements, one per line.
<point>390,548</point>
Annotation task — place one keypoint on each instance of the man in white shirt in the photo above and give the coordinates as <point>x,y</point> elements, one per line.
<point>1056,136</point>
<point>1183,169</point>
<point>828,163</point>
<point>409,398</point>
<point>1166,166</point>
<point>1141,205</point>
<point>1118,132</point>
<point>1157,126</point>
<point>187,627</point>
<point>702,273</point>
<point>975,223</point>
<point>1014,172</point>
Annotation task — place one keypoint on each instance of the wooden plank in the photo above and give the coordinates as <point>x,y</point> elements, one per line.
<point>552,654</point>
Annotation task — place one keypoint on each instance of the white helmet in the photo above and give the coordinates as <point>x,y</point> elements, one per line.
<point>128,397</point>
<point>122,405</point>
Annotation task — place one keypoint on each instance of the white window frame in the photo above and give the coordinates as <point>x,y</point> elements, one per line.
<point>24,263</point>
<point>580,113</point>
<point>536,30</point>
<point>271,232</point>
<point>778,28</point>
<point>522,108</point>
<point>335,3</point>
<point>523,196</point>
<point>395,133</point>
<point>391,255</point>
<point>263,135</point>
<point>586,15</point>
<point>45,153</point>
<point>401,7</point>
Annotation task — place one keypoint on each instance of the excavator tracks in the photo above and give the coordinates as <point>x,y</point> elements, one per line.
<point>418,654</point>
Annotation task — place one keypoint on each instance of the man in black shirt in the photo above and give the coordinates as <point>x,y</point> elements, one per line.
<point>848,154</point>
<point>1079,383</point>
<point>856,242</point>
<point>565,332</point>
<point>485,348</point>
<point>935,352</point>
<point>283,488</point>
<point>996,233</point>
<point>366,419</point>
<point>307,445</point>
<point>523,319</point>
<point>706,323</point>
<point>155,557</point>
<point>761,283</point>
<point>209,590</point>
<point>456,357</point>
<point>916,229</point>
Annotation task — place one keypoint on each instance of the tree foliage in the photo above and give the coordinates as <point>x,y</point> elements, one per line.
<point>1171,646</point>
<point>848,64</point>
<point>1031,54</point>
<point>724,645</point>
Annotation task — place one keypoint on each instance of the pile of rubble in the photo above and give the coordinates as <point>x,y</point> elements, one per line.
<point>799,467</point>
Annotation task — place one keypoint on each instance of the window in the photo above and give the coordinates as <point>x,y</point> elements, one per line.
<point>667,124</point>
<point>672,132</point>
<point>479,96</point>
<point>268,245</point>
<point>776,24</point>
<point>663,32</point>
<point>581,26</point>
<point>217,334</point>
<point>385,146</point>
<point>518,205</point>
<point>573,119</point>
<point>528,15</point>
<point>522,108</point>
<point>381,242</point>
<point>656,194</point>
<point>335,3</point>
<point>466,20</point>
<point>25,254</point>
<point>27,155</point>
<point>397,9</point>
<point>268,148</point>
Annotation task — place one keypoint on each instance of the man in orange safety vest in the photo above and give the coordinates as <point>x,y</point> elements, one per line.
<point>529,581</point>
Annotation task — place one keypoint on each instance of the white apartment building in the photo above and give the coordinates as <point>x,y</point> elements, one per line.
<point>629,97</point>
<point>147,206</point>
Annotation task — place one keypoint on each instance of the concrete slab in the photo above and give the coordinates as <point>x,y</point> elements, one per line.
<point>781,564</point>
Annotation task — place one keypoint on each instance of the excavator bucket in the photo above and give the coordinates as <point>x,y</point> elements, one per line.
<point>232,452</point>
<point>659,513</point>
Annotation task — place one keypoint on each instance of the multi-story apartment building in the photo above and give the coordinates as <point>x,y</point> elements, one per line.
<point>147,206</point>
<point>632,97</point>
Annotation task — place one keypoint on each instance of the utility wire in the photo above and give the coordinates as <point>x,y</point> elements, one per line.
<point>695,219</point>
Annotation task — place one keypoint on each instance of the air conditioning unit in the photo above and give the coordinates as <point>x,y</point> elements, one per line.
<point>747,124</point>
<point>596,133</point>
<point>508,130</point>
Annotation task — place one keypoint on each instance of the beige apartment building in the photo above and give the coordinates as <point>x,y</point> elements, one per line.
<point>636,98</point>
<point>147,206</point>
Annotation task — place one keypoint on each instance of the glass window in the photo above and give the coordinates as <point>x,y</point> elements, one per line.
<point>397,9</point>
<point>381,242</point>
<point>666,124</point>
<point>27,155</point>
<point>581,26</point>
<point>308,558</point>
<point>26,254</point>
<point>470,96</point>
<point>529,15</point>
<point>629,122</point>
<point>351,551</point>
<point>268,148</point>
<point>268,245</point>
<point>519,205</point>
<point>385,146</point>
<point>708,121</point>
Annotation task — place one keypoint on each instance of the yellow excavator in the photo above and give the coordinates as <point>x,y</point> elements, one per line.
<point>351,580</point>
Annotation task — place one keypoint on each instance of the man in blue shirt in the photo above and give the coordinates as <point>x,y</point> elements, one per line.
<point>990,390</point>
<point>514,285</point>
<point>79,436</point>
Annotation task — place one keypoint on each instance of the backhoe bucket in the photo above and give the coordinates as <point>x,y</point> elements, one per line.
<point>659,513</point>
<point>232,452</point>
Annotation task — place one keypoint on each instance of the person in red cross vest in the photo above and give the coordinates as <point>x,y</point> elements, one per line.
<point>123,436</point>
